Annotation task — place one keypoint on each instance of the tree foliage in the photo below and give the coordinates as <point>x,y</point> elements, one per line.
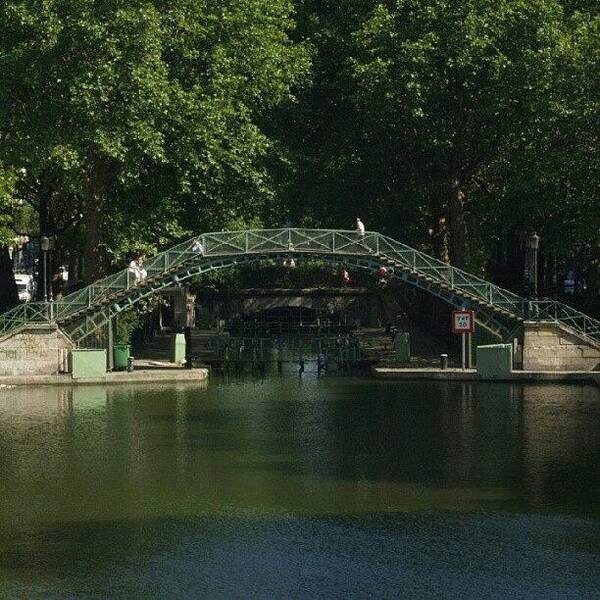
<point>457,126</point>
<point>146,108</point>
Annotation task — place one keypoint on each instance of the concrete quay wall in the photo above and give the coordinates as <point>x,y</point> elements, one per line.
<point>550,347</point>
<point>400,374</point>
<point>139,377</point>
<point>34,350</point>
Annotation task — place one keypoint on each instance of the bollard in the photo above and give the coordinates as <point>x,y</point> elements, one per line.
<point>130,364</point>
<point>443,361</point>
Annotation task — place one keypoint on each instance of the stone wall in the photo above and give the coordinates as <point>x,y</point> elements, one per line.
<point>549,347</point>
<point>34,350</point>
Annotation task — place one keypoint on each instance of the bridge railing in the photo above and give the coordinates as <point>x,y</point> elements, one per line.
<point>449,276</point>
<point>100,291</point>
<point>298,241</point>
<point>550,310</point>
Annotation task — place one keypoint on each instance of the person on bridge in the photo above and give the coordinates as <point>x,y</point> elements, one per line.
<point>143,273</point>
<point>360,228</point>
<point>136,271</point>
<point>133,271</point>
<point>345,277</point>
<point>198,247</point>
<point>383,275</point>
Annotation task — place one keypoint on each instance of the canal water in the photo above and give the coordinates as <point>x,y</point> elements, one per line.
<point>289,487</point>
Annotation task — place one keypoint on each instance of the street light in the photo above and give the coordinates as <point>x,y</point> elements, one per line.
<point>44,247</point>
<point>531,264</point>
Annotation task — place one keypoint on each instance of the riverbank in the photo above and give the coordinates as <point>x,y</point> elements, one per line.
<point>150,375</point>
<point>176,374</point>
<point>397,373</point>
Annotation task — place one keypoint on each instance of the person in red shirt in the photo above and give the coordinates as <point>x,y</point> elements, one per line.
<point>382,276</point>
<point>345,277</point>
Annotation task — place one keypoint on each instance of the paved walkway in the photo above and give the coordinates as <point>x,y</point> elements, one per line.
<point>141,375</point>
<point>471,375</point>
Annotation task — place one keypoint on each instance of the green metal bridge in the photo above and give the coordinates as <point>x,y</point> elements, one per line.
<point>84,312</point>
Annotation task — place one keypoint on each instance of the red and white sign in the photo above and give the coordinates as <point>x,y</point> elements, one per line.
<point>463,321</point>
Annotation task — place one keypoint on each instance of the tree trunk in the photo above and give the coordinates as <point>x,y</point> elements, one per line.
<point>439,229</point>
<point>97,182</point>
<point>9,296</point>
<point>93,254</point>
<point>458,245</point>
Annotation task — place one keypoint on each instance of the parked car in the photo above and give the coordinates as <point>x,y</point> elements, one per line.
<point>25,286</point>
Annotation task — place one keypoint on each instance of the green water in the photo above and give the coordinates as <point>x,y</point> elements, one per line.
<point>292,488</point>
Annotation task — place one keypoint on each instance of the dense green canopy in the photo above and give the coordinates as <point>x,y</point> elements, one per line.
<point>459,126</point>
<point>144,116</point>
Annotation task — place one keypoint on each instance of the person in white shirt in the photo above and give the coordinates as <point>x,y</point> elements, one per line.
<point>133,272</point>
<point>360,228</point>
<point>142,272</point>
<point>136,271</point>
<point>198,247</point>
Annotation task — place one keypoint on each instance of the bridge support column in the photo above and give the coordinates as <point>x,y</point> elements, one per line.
<point>548,346</point>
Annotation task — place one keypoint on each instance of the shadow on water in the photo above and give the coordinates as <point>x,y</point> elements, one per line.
<point>429,555</point>
<point>301,487</point>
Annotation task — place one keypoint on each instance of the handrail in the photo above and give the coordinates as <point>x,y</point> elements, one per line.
<point>298,241</point>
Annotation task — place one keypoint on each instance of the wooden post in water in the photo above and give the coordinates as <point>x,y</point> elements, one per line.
<point>279,355</point>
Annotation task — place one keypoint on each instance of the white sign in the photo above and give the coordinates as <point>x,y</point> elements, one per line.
<point>463,321</point>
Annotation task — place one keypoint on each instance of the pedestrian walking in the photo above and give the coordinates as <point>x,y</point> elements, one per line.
<point>360,229</point>
<point>198,247</point>
<point>345,277</point>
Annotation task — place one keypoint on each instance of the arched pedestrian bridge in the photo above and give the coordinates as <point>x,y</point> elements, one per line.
<point>83,312</point>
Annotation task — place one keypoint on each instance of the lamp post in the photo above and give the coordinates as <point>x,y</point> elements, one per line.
<point>531,264</point>
<point>44,247</point>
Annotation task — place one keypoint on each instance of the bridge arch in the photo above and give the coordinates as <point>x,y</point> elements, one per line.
<point>80,331</point>
<point>83,312</point>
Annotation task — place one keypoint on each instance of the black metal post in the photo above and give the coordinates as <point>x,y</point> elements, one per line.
<point>531,265</point>
<point>44,247</point>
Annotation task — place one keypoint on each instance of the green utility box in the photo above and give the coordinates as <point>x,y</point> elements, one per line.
<point>121,356</point>
<point>178,348</point>
<point>494,361</point>
<point>88,364</point>
<point>402,347</point>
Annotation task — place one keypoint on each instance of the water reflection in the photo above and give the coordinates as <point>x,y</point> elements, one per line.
<point>561,446</point>
<point>332,445</point>
<point>92,479</point>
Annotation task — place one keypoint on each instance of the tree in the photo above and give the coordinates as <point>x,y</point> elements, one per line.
<point>548,179</point>
<point>450,86</point>
<point>330,178</point>
<point>126,96</point>
<point>8,290</point>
